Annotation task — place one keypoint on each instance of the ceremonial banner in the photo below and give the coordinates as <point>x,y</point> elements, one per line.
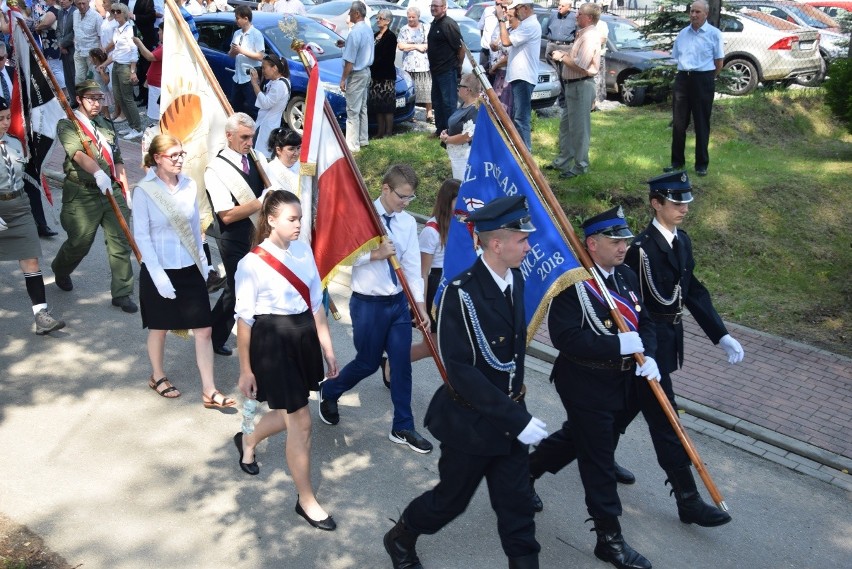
<point>493,171</point>
<point>35,108</point>
<point>189,107</point>
<point>343,228</point>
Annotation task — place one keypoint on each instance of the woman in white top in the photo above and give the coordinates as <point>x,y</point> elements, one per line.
<point>196,7</point>
<point>282,336</point>
<point>172,287</point>
<point>273,98</point>
<point>284,146</point>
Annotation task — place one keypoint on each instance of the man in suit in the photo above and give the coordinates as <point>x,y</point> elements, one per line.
<point>65,28</point>
<point>479,415</point>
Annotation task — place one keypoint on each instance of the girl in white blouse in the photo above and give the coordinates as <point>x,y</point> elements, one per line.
<point>172,286</point>
<point>282,337</point>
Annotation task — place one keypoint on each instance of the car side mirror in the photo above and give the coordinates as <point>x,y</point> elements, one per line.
<point>340,43</point>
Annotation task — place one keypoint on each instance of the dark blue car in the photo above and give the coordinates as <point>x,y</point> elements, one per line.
<point>214,36</point>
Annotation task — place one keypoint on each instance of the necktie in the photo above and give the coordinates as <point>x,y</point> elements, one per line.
<point>507,292</point>
<point>390,265</point>
<point>610,282</point>
<point>675,244</point>
<point>245,165</point>
<point>5,90</point>
<point>9,166</point>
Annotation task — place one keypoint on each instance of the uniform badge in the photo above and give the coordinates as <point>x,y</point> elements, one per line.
<point>607,323</point>
<point>502,339</point>
<point>683,177</point>
<point>620,212</point>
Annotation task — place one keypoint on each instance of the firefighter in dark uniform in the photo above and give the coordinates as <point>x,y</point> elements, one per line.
<point>480,417</point>
<point>596,377</point>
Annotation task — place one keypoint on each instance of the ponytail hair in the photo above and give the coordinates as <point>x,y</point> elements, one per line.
<point>444,204</point>
<point>272,202</point>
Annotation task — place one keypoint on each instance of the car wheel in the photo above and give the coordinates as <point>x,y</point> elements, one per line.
<point>813,79</point>
<point>745,76</point>
<point>632,96</point>
<point>294,114</point>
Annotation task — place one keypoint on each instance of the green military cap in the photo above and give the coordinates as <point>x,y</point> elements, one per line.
<point>88,86</point>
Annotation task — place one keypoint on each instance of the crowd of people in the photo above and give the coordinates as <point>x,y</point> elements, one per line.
<point>282,336</point>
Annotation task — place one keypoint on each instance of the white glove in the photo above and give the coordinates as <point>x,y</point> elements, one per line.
<point>732,348</point>
<point>205,268</point>
<point>630,343</point>
<point>163,284</point>
<point>649,369</point>
<point>103,181</point>
<point>533,433</point>
<point>3,226</point>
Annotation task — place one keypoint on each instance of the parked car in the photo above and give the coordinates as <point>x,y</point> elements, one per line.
<point>335,14</point>
<point>454,10</point>
<point>835,9</point>
<point>832,42</point>
<point>214,37</point>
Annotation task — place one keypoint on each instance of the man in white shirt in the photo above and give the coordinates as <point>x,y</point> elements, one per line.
<point>87,36</point>
<point>247,49</point>
<point>381,320</point>
<point>522,71</point>
<point>290,7</point>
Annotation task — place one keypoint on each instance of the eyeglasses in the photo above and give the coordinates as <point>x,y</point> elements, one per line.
<point>383,18</point>
<point>177,156</point>
<point>116,12</point>
<point>94,98</point>
<point>404,198</point>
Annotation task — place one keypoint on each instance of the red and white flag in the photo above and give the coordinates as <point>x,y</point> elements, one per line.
<point>344,224</point>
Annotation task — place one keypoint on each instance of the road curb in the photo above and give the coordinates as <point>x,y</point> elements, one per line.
<point>797,455</point>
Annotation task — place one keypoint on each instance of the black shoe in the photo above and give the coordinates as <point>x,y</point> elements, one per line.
<point>328,524</point>
<point>411,438</point>
<point>568,175</point>
<point>125,304</point>
<point>215,282</point>
<point>64,283</point>
<point>385,378</point>
<point>45,231</point>
<point>691,509</point>
<point>701,171</point>
<point>537,504</point>
<point>624,476</point>
<point>400,544</point>
<point>328,410</point>
<point>612,548</point>
<point>223,350</point>
<point>672,168</point>
<point>248,467</point>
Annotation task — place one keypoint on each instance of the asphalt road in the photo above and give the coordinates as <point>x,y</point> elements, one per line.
<point>112,476</point>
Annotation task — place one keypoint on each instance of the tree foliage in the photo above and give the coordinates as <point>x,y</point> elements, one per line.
<point>838,90</point>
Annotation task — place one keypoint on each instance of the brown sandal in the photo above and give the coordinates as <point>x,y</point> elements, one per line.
<point>210,401</point>
<point>167,388</point>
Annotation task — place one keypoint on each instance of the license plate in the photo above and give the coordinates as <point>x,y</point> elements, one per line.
<point>540,95</point>
<point>806,45</point>
<point>400,102</point>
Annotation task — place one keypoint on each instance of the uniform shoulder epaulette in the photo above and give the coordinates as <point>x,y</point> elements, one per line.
<point>461,279</point>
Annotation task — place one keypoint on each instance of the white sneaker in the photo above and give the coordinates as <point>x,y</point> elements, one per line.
<point>132,134</point>
<point>123,131</point>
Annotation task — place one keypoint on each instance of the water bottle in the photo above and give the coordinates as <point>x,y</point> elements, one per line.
<point>249,410</point>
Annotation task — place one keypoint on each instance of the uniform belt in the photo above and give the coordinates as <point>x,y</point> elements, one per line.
<point>670,318</point>
<point>460,400</point>
<point>624,363</point>
<point>11,195</point>
<point>580,79</point>
<point>684,72</point>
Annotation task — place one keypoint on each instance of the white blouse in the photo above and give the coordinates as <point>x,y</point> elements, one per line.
<point>430,242</point>
<point>261,289</point>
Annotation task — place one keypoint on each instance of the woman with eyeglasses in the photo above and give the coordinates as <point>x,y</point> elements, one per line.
<point>285,145</point>
<point>460,125</point>
<point>172,285</point>
<point>382,98</point>
<point>272,99</point>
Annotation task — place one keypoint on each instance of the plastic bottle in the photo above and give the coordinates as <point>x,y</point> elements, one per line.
<point>249,410</point>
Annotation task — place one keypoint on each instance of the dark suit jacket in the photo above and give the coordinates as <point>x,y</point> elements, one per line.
<point>574,337</point>
<point>65,29</point>
<point>495,420</point>
<point>146,15</point>
<point>667,269</point>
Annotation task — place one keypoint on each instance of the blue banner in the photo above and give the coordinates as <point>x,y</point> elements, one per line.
<point>492,172</point>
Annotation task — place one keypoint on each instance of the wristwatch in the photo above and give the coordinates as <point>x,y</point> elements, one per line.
<point>504,20</point>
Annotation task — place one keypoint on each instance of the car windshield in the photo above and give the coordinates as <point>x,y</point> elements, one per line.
<point>813,17</point>
<point>470,35</point>
<point>627,37</point>
<point>309,31</point>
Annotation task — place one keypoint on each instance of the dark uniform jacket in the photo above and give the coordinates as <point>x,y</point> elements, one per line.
<point>489,419</point>
<point>577,338</point>
<point>665,269</point>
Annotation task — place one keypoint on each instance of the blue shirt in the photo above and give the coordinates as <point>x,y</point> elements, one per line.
<point>698,50</point>
<point>359,46</point>
<point>252,40</point>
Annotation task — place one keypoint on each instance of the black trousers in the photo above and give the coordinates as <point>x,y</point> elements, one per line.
<point>692,97</point>
<point>592,435</point>
<point>508,489</point>
<point>223,312</point>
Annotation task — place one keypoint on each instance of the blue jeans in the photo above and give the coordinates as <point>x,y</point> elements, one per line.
<point>522,109</point>
<point>379,324</point>
<point>445,97</point>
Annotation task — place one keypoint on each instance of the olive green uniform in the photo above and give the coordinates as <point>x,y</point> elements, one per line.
<point>84,208</point>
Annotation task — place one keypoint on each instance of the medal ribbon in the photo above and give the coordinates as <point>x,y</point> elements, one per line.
<point>631,317</point>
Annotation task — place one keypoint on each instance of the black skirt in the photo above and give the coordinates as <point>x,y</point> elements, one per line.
<point>432,289</point>
<point>382,97</point>
<point>286,359</point>
<point>188,311</point>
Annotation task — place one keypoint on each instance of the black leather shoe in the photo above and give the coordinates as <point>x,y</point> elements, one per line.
<point>624,476</point>
<point>223,350</point>
<point>45,231</point>
<point>672,168</point>
<point>537,504</point>
<point>691,509</point>
<point>612,548</point>
<point>248,467</point>
<point>64,283</point>
<point>328,524</point>
<point>400,544</point>
<point>125,304</point>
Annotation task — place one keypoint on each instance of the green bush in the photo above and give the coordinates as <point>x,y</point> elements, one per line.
<point>838,91</point>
